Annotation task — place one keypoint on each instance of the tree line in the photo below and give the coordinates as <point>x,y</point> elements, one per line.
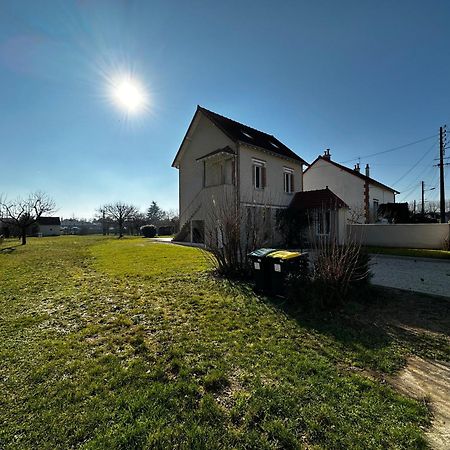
<point>22,213</point>
<point>127,217</point>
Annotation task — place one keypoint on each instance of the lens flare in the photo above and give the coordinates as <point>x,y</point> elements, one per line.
<point>130,96</point>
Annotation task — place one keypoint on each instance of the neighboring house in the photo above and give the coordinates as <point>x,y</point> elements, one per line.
<point>326,214</point>
<point>224,166</point>
<point>359,191</point>
<point>47,226</point>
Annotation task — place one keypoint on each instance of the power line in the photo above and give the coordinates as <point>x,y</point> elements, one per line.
<point>390,149</point>
<point>415,165</point>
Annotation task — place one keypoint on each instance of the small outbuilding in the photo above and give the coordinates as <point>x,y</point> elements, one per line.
<point>327,213</point>
<point>47,226</point>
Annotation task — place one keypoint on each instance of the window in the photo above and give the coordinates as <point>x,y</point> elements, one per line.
<point>288,175</point>
<point>259,174</point>
<point>247,135</point>
<point>323,222</point>
<point>375,209</point>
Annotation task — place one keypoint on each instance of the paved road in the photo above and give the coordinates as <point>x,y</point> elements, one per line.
<point>431,276</point>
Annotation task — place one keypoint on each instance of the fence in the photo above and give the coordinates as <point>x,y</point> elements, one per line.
<point>417,235</point>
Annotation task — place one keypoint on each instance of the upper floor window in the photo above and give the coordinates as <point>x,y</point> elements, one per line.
<point>259,174</point>
<point>288,175</point>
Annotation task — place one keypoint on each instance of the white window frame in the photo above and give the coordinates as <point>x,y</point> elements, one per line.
<point>257,167</point>
<point>288,180</point>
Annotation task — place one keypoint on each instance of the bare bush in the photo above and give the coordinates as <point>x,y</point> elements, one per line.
<point>337,269</point>
<point>232,232</point>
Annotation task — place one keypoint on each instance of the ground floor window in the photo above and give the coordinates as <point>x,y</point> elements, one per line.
<point>323,222</point>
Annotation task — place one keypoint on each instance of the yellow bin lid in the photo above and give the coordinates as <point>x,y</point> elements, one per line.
<point>283,254</point>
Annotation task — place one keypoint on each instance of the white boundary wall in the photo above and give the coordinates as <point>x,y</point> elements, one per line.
<point>411,235</point>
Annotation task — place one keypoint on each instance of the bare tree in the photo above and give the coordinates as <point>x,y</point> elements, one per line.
<point>120,213</point>
<point>22,213</point>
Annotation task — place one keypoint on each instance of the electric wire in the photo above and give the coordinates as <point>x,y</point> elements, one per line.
<point>391,149</point>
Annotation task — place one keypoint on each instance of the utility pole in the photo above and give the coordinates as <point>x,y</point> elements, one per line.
<point>423,198</point>
<point>442,137</point>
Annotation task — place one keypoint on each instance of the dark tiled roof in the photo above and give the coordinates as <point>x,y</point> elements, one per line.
<point>355,173</point>
<point>226,149</point>
<point>49,221</point>
<point>321,198</point>
<point>243,133</point>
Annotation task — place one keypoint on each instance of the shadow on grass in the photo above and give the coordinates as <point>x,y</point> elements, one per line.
<point>378,327</point>
<point>9,249</point>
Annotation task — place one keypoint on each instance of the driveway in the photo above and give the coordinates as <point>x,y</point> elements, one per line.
<point>430,276</point>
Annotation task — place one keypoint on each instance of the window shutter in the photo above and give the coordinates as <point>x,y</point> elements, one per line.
<point>263,177</point>
<point>233,169</point>
<point>254,175</point>
<point>292,183</point>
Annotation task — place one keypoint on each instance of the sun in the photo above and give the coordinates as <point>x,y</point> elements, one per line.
<point>130,96</point>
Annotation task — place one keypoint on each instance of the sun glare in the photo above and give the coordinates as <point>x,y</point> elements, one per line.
<point>130,96</point>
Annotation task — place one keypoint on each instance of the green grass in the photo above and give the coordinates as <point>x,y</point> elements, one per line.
<point>111,343</point>
<point>413,252</point>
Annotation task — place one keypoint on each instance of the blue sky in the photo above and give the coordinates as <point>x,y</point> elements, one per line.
<point>358,77</point>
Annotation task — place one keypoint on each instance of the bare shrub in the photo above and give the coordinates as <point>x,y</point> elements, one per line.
<point>337,269</point>
<point>232,232</point>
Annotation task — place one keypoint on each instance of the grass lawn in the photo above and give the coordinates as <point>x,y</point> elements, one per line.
<point>413,252</point>
<point>111,343</point>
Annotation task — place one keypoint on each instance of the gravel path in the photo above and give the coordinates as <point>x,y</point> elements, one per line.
<point>431,380</point>
<point>430,276</point>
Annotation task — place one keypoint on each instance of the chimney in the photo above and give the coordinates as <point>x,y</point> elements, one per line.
<point>357,169</point>
<point>327,154</point>
<point>367,170</point>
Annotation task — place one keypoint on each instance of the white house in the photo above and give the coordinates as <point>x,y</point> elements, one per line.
<point>227,166</point>
<point>359,191</point>
<point>47,226</point>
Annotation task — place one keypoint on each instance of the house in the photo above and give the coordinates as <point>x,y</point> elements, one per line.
<point>227,167</point>
<point>325,212</point>
<point>359,191</point>
<point>47,226</point>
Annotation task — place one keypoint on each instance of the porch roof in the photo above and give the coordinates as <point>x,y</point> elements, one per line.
<point>227,151</point>
<point>321,198</point>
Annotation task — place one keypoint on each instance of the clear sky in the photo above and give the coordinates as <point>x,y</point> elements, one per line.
<point>359,77</point>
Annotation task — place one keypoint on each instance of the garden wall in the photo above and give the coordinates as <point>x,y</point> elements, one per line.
<point>417,235</point>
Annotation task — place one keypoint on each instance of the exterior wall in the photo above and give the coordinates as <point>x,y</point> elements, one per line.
<point>273,194</point>
<point>346,186</point>
<point>421,235</point>
<point>382,195</point>
<point>205,138</point>
<point>49,230</point>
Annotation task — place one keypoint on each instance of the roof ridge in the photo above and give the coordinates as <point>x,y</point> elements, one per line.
<point>239,123</point>
<point>355,173</point>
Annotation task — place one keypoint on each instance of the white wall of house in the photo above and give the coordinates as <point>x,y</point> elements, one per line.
<point>273,193</point>
<point>204,138</point>
<point>49,230</point>
<point>377,196</point>
<point>348,187</point>
<point>417,235</point>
